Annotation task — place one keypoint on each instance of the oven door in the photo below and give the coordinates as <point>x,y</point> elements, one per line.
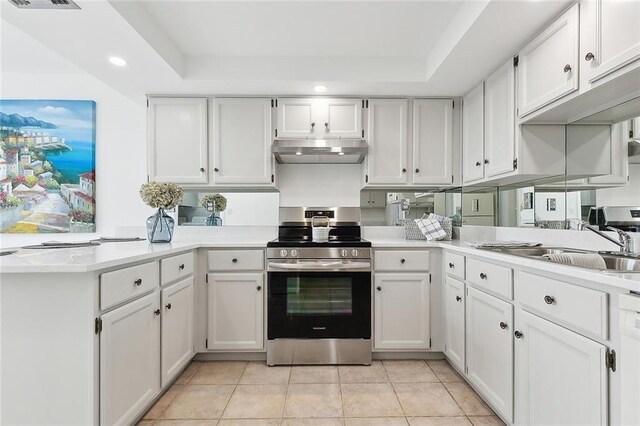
<point>319,304</point>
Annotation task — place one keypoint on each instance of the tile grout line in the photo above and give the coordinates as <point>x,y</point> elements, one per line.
<point>182,386</point>
<point>286,395</point>
<point>233,391</point>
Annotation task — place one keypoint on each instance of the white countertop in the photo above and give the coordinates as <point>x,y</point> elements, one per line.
<point>109,255</point>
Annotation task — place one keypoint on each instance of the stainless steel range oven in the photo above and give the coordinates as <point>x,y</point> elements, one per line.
<point>319,298</point>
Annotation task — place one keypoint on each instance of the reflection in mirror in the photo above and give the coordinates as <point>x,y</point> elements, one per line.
<point>242,209</point>
<point>479,206</point>
<point>380,208</point>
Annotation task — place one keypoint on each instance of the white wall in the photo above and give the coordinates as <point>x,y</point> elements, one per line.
<point>319,185</point>
<point>628,195</point>
<point>120,142</point>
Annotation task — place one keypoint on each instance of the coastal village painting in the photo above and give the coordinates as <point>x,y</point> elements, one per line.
<point>47,166</point>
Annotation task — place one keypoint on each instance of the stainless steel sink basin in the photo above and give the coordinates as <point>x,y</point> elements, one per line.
<point>615,262</point>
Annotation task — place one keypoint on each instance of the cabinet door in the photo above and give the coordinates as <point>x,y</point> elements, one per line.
<point>619,157</point>
<point>560,377</point>
<point>454,322</point>
<point>343,118</point>
<point>387,138</point>
<point>235,311</point>
<point>129,360</point>
<point>473,135</point>
<point>432,141</point>
<point>609,37</point>
<point>499,121</point>
<point>489,353</point>
<point>242,141</point>
<point>296,118</point>
<point>177,328</point>
<point>548,65</point>
<point>177,129</point>
<point>401,311</point>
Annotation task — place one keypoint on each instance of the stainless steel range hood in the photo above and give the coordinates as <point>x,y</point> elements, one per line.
<point>319,151</point>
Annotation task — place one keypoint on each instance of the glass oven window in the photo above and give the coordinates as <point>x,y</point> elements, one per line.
<point>319,296</point>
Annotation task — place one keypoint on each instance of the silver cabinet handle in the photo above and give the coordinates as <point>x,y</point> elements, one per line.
<point>589,56</point>
<point>503,325</point>
<point>138,282</point>
<point>567,68</point>
<point>549,300</point>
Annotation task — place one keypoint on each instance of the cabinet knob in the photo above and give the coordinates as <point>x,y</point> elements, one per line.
<point>517,334</point>
<point>313,125</point>
<point>483,276</point>
<point>402,261</point>
<point>259,288</point>
<point>451,265</point>
<point>486,161</point>
<point>326,125</point>
<point>503,325</point>
<point>379,288</point>
<point>458,298</point>
<point>567,68</point>
<point>549,300</point>
<point>168,306</point>
<point>138,282</point>
<point>417,170</point>
<point>478,164</point>
<point>202,169</point>
<point>216,170</point>
<point>589,56</point>
<point>157,312</point>
<point>404,170</point>
<point>181,267</point>
<point>234,260</point>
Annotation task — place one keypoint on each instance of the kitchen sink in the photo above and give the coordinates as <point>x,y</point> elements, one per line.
<point>615,262</point>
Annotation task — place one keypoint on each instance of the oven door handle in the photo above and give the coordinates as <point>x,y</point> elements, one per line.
<point>320,266</point>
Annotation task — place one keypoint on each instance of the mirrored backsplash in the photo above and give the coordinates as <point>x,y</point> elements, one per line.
<point>241,209</point>
<point>381,208</point>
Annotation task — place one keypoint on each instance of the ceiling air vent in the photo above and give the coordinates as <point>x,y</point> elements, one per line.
<point>44,4</point>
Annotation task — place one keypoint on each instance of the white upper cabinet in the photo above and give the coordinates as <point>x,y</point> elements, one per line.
<point>432,141</point>
<point>499,121</point>
<point>387,138</point>
<point>473,135</point>
<point>560,378</point>
<point>319,118</point>
<point>454,322</point>
<point>177,132</point>
<point>242,141</point>
<point>548,65</point>
<point>609,37</point>
<point>489,324</point>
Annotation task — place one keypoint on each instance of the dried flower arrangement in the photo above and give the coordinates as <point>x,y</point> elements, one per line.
<point>218,201</point>
<point>161,195</point>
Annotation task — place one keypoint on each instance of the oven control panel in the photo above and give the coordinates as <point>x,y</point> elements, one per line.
<point>319,253</point>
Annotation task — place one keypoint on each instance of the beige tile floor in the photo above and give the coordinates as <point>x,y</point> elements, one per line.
<point>412,392</point>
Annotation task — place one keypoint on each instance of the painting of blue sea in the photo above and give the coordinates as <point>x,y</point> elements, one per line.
<point>47,166</point>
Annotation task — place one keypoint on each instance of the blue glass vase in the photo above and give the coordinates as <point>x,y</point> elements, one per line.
<point>213,220</point>
<point>160,227</point>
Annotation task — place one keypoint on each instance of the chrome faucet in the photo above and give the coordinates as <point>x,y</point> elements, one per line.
<point>625,242</point>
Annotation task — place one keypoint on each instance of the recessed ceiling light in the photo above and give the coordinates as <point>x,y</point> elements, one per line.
<point>298,153</point>
<point>117,61</point>
<point>320,88</point>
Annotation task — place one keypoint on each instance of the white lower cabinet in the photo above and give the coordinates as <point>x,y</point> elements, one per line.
<point>177,328</point>
<point>129,360</point>
<point>489,350</point>
<point>454,322</point>
<point>401,318</point>
<point>561,378</point>
<point>235,311</point>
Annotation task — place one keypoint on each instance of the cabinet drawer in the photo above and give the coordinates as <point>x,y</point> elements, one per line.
<point>495,278</point>
<point>236,260</point>
<point>415,260</point>
<point>176,267</point>
<point>579,306</point>
<point>454,265</point>
<point>127,283</point>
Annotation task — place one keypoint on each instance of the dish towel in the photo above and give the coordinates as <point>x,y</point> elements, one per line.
<point>585,260</point>
<point>431,229</point>
<point>498,244</point>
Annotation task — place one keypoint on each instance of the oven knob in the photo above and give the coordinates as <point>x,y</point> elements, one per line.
<point>294,253</point>
<point>344,253</point>
<point>354,253</point>
<point>283,253</point>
